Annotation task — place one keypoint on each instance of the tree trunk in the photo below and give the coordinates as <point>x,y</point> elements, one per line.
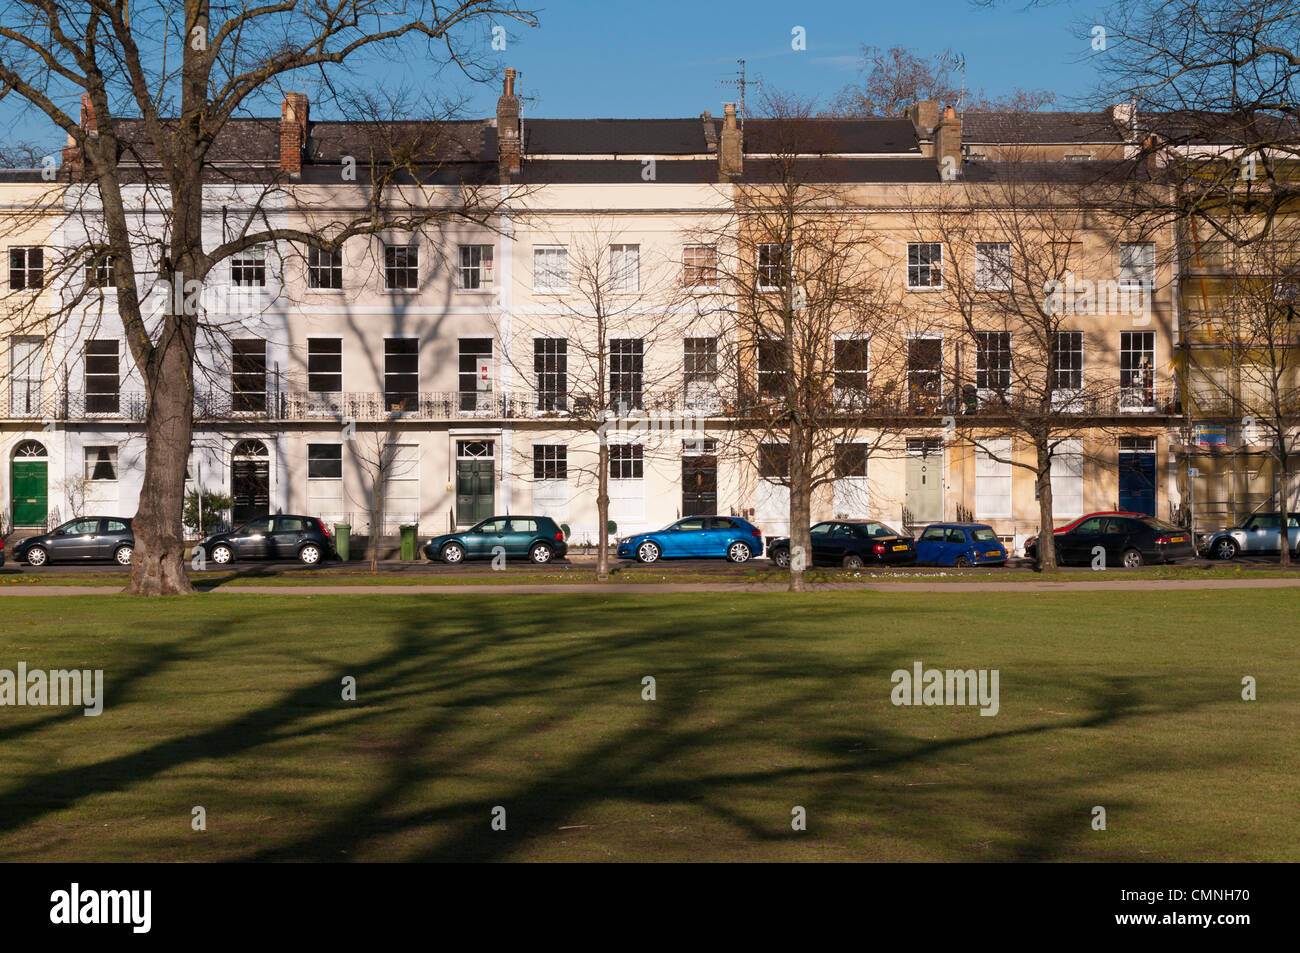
<point>1046,542</point>
<point>158,560</point>
<point>800,511</point>
<point>1284,468</point>
<point>602,512</point>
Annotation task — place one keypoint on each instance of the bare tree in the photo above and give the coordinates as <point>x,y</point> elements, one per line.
<point>376,453</point>
<point>217,62</point>
<point>817,359</point>
<point>895,78</point>
<point>603,364</point>
<point>1251,370</point>
<point>1014,253</point>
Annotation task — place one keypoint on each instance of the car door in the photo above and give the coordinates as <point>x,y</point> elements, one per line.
<point>686,538</point>
<point>1293,532</point>
<point>1076,546</point>
<point>254,539</point>
<point>75,540</point>
<point>957,544</point>
<point>286,535</point>
<point>484,538</point>
<point>821,545</point>
<point>930,547</point>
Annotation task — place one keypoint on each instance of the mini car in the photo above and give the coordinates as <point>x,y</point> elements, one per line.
<point>851,544</point>
<point>699,537</point>
<point>1258,534</point>
<point>304,538</point>
<point>84,539</point>
<point>960,545</point>
<point>536,537</point>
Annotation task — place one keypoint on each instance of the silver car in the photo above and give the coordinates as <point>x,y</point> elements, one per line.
<point>1257,536</point>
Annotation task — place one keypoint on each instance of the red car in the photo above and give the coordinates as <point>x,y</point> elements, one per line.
<point>1033,540</point>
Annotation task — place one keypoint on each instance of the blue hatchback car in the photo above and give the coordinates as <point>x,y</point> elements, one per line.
<point>961,545</point>
<point>696,537</point>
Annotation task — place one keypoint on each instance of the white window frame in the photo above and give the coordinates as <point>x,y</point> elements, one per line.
<point>993,480</point>
<point>484,267</point>
<point>552,278</point>
<point>696,265</point>
<point>625,268</point>
<point>931,266</point>
<point>90,466</point>
<point>993,273</point>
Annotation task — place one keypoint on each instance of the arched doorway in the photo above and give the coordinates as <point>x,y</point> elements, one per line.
<point>250,481</point>
<point>29,492</point>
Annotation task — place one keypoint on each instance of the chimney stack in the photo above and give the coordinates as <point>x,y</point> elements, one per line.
<point>924,116</point>
<point>731,149</point>
<point>293,131</point>
<point>74,161</point>
<point>947,145</point>
<point>509,147</point>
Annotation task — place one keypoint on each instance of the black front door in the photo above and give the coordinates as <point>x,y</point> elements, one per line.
<point>699,485</point>
<point>250,490</point>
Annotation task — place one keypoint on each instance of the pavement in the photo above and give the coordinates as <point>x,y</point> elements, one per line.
<point>634,588</point>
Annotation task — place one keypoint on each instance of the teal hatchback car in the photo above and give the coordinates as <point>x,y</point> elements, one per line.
<point>536,538</point>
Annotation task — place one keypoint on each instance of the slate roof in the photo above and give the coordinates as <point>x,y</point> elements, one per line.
<point>1039,128</point>
<point>823,136</point>
<point>626,137</point>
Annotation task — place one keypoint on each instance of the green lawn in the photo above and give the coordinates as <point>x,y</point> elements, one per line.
<point>1128,700</point>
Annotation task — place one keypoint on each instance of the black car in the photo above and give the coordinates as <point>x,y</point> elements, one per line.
<point>303,538</point>
<point>1127,541</point>
<point>80,540</point>
<point>851,544</point>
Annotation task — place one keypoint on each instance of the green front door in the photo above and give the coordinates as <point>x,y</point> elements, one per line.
<point>30,489</point>
<point>475,491</point>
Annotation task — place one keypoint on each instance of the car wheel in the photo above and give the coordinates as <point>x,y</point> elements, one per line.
<point>222,554</point>
<point>37,556</point>
<point>453,553</point>
<point>852,561</point>
<point>738,553</point>
<point>309,555</point>
<point>1226,549</point>
<point>123,555</point>
<point>961,562</point>
<point>647,552</point>
<point>540,553</point>
<point>781,558</point>
<point>1131,559</point>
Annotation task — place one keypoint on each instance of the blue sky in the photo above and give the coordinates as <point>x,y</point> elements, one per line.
<point>642,58</point>
<point>665,58</point>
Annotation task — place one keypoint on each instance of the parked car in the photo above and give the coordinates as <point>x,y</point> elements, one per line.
<point>2,552</point>
<point>536,537</point>
<point>699,537</point>
<point>80,540</point>
<point>851,544</point>
<point>1074,523</point>
<point>1126,540</point>
<point>303,538</point>
<point>960,545</point>
<point>1259,534</point>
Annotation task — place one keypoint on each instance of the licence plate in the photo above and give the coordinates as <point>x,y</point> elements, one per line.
<point>1177,539</point>
<point>900,549</point>
<point>992,552</point>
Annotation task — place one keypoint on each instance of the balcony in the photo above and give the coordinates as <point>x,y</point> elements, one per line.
<point>39,408</point>
<point>1220,257</point>
<point>1217,329</point>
